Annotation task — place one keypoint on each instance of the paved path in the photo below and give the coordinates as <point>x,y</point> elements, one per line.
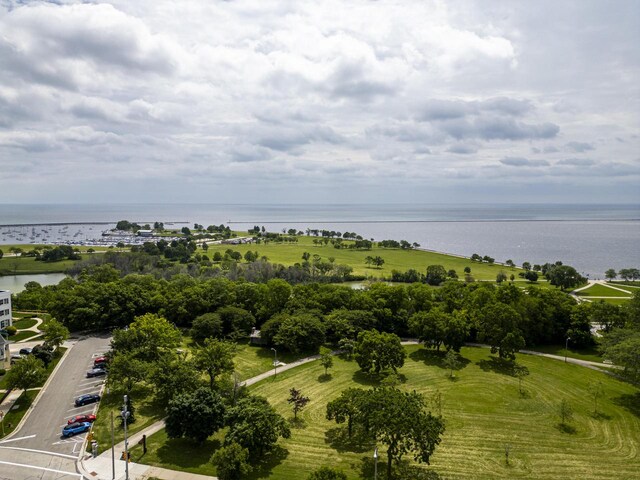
<point>591,283</point>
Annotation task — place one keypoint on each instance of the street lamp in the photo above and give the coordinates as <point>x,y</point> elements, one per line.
<point>566,349</point>
<point>275,362</point>
<point>375,464</point>
<point>125,417</point>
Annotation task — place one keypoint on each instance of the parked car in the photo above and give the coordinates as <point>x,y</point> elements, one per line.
<point>15,357</point>
<point>96,372</point>
<point>75,428</point>
<point>26,351</point>
<point>82,419</point>
<point>100,361</point>
<point>88,398</point>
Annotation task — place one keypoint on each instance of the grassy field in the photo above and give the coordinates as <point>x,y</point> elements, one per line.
<point>26,265</point>
<point>483,410</point>
<point>598,290</point>
<point>25,335</point>
<point>589,354</point>
<point>395,259</point>
<point>24,323</point>
<point>13,417</point>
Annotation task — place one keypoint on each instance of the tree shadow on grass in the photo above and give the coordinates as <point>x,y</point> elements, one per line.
<point>600,416</point>
<point>297,423</point>
<point>264,468</point>
<point>368,379</point>
<point>186,453</point>
<point>498,365</point>
<point>630,401</point>
<point>565,428</point>
<point>338,439</point>
<point>401,471</point>
<point>324,377</point>
<point>436,358</point>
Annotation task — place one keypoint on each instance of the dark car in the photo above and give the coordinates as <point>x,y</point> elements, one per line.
<point>100,362</point>
<point>82,419</point>
<point>75,428</point>
<point>25,351</point>
<point>96,372</point>
<point>88,398</point>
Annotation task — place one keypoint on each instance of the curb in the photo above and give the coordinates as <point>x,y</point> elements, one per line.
<point>37,399</point>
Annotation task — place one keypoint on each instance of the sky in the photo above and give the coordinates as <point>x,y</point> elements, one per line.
<point>260,101</point>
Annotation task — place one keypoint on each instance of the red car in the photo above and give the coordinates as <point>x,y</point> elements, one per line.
<point>81,419</point>
<point>100,361</point>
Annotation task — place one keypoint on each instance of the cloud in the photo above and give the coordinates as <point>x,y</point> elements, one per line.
<point>523,162</point>
<point>462,149</point>
<point>576,162</point>
<point>579,147</point>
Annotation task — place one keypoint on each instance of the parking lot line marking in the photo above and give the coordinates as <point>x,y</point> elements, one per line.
<point>92,387</point>
<point>77,475</point>
<point>16,439</point>
<point>80,410</point>
<point>88,382</point>
<point>55,454</point>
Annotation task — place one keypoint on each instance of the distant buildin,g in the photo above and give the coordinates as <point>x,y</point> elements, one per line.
<point>145,233</point>
<point>5,321</point>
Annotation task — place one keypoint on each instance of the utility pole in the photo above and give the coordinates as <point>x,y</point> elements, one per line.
<point>375,464</point>
<point>275,362</point>
<point>566,349</point>
<point>125,416</point>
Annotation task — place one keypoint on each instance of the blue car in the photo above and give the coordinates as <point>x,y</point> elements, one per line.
<point>75,428</point>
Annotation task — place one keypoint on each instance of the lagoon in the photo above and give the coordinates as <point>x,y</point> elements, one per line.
<point>16,283</point>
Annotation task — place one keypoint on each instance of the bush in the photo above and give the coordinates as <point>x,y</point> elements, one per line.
<point>2,371</point>
<point>11,330</point>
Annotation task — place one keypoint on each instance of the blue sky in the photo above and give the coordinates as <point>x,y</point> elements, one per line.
<point>271,101</point>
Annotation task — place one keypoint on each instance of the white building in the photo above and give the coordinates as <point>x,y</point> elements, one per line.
<point>5,309</point>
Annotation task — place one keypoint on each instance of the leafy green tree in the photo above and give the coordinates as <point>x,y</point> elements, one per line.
<point>232,462</point>
<point>196,415</point>
<point>1,253</point>
<point>346,407</point>
<point>297,400</point>
<point>150,336</point>
<point>55,333</point>
<point>520,371</point>
<point>429,327</point>
<point>580,327</point>
<point>214,357</point>
<point>564,276</point>
<point>467,269</point>
<point>436,274</point>
<point>501,277</point>
<point>236,322</point>
<point>326,473</point>
<point>498,327</point>
<point>565,412</point>
<point>255,425</point>
<point>27,372</point>
<point>596,391</point>
<point>531,276</point>
<point>326,359</point>
<point>208,325</point>
<point>610,274</point>
<point>400,421</point>
<point>526,266</point>
<point>171,376</point>
<point>125,370</point>
<point>347,346</point>
<point>378,351</point>
<point>606,315</point>
<point>300,333</point>
<point>451,362</point>
<point>622,347</point>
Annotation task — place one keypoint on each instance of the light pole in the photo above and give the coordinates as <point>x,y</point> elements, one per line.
<point>275,362</point>
<point>566,349</point>
<point>125,417</point>
<point>375,464</point>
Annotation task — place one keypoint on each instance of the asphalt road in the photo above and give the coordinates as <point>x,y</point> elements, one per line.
<point>38,450</point>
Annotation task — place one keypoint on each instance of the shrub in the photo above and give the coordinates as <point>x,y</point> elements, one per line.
<point>11,330</point>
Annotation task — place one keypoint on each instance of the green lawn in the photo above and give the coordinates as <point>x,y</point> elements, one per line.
<point>147,412</point>
<point>395,259</point>
<point>24,336</point>
<point>251,361</point>
<point>24,323</point>
<point>483,410</point>
<point>13,417</point>
<point>26,265</point>
<point>589,354</point>
<point>52,365</point>
<point>598,290</point>
<point>613,301</point>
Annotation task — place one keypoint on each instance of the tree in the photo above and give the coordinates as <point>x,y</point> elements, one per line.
<point>255,425</point>
<point>501,277</point>
<point>436,274</point>
<point>196,415</point>
<point>467,269</point>
<point>520,371</point>
<point>326,473</point>
<point>498,326</point>
<point>206,326</point>
<point>326,359</point>
<point>150,336</point>
<point>565,412</point>
<point>1,253</point>
<point>55,333</point>
<point>44,352</point>
<point>27,372</point>
<point>231,462</point>
<point>596,390</point>
<point>236,322</point>
<point>346,407</point>
<point>610,274</point>
<point>125,370</point>
<point>400,421</point>
<point>171,376</point>
<point>214,357</point>
<point>297,401</point>
<point>531,276</point>
<point>300,333</point>
<point>451,362</point>
<point>564,276</point>
<point>526,266</point>
<point>509,263</point>
<point>347,346</point>
<point>378,351</point>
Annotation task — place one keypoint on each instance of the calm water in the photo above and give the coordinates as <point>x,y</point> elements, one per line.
<point>16,283</point>
<point>592,238</point>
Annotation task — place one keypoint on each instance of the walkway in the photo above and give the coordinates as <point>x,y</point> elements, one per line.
<point>591,283</point>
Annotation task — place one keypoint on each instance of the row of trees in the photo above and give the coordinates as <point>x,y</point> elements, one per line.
<point>624,273</point>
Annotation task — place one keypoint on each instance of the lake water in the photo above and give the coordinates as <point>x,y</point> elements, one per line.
<point>16,283</point>
<point>592,238</point>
